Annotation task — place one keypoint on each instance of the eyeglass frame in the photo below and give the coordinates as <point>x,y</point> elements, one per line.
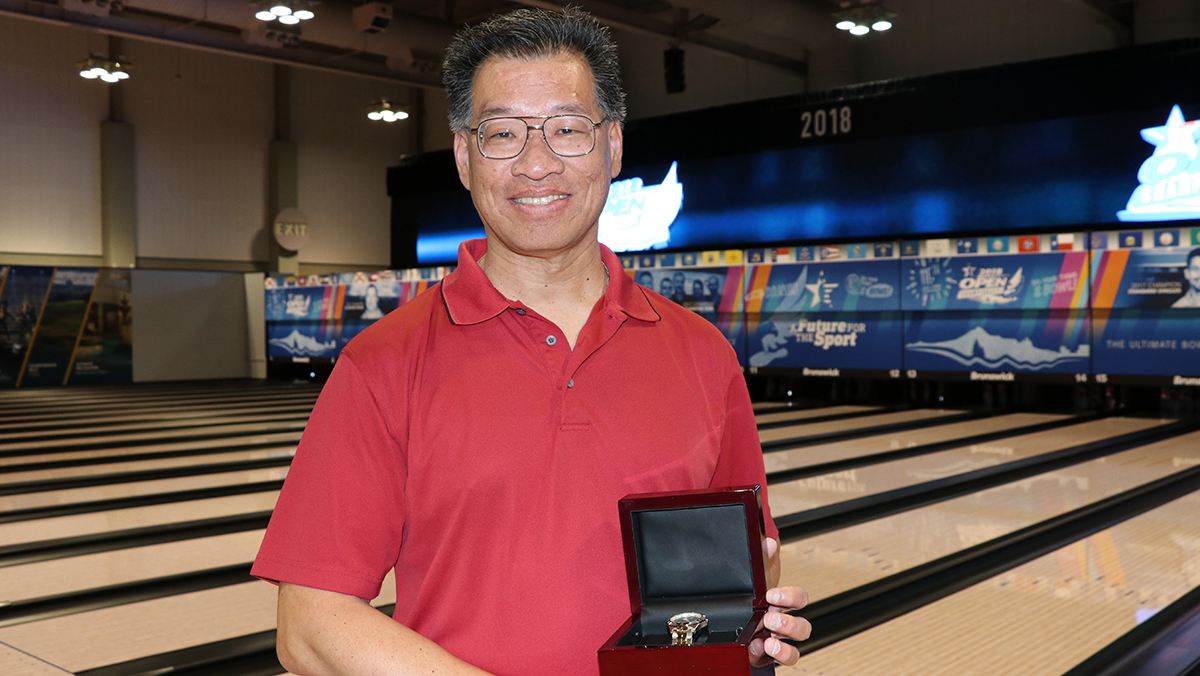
<point>532,127</point>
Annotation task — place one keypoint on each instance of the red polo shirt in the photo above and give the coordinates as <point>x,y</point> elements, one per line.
<point>461,441</point>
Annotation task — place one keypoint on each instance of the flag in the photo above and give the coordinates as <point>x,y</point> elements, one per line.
<point>1196,237</point>
<point>646,261</point>
<point>937,247</point>
<point>1166,238</point>
<point>805,254</point>
<point>967,246</point>
<point>754,256</point>
<point>910,248</point>
<point>627,262</point>
<point>884,250</point>
<point>666,261</point>
<point>733,257</point>
<point>1062,242</point>
<point>1130,240</point>
<point>1029,244</point>
<point>856,251</point>
<point>689,259</point>
<point>997,245</point>
<point>710,257</point>
<point>830,252</point>
<point>1099,241</point>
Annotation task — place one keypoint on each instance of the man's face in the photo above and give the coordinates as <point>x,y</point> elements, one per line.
<point>1192,272</point>
<point>678,279</point>
<point>665,287</point>
<point>538,203</point>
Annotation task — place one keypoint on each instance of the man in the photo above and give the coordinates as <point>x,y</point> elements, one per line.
<point>1192,273</point>
<point>476,440</point>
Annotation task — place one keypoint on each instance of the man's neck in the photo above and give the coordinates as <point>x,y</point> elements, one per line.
<point>562,288</point>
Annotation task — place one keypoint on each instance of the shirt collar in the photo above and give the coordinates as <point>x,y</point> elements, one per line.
<point>470,298</point>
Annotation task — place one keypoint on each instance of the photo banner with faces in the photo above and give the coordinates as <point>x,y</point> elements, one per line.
<point>713,292</point>
<point>828,315</point>
<point>62,326</point>
<point>1146,300</point>
<point>315,317</point>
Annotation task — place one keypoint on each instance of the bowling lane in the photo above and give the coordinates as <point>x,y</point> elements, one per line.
<point>145,465</point>
<point>1041,618</point>
<point>184,396</point>
<point>100,432</point>
<point>115,491</point>
<point>69,445</point>
<point>58,424</point>
<point>784,416</point>
<point>810,492</point>
<point>135,517</point>
<point>812,429</point>
<point>166,450</point>
<point>834,562</point>
<point>893,441</point>
<point>122,633</point>
<point>77,573</point>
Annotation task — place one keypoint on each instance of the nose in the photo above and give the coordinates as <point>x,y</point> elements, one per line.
<point>537,160</point>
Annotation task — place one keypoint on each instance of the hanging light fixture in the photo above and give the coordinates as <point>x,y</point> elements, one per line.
<point>860,17</point>
<point>385,111</point>
<point>288,12</point>
<point>97,67</point>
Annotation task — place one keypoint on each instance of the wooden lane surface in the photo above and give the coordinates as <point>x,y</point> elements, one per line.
<point>124,409</point>
<point>811,492</point>
<point>101,432</point>
<point>135,517</point>
<point>803,430</point>
<point>185,396</point>
<point>72,496</point>
<point>834,562</point>
<point>164,449</point>
<point>121,633</point>
<point>123,420</point>
<point>78,573</point>
<point>70,445</point>
<point>1041,618</point>
<point>144,465</point>
<point>891,441</point>
<point>783,416</point>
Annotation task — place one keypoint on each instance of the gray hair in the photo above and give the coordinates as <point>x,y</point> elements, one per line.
<point>532,34</point>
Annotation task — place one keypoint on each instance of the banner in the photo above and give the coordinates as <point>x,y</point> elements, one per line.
<point>714,293</point>
<point>59,328</point>
<point>1054,341</point>
<point>828,340</point>
<point>1165,277</point>
<point>1135,341</point>
<point>316,316</point>
<point>1055,280</point>
<point>862,285</point>
<point>21,300</point>
<point>105,350</point>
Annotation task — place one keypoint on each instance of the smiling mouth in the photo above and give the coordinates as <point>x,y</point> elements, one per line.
<point>539,200</point>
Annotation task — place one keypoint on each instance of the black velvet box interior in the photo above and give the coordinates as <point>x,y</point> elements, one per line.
<point>694,552</point>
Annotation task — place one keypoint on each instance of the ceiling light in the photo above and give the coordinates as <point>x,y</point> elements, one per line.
<point>862,16</point>
<point>289,12</point>
<point>101,68</point>
<point>384,110</point>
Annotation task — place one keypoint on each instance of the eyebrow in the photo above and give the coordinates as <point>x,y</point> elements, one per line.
<point>507,111</point>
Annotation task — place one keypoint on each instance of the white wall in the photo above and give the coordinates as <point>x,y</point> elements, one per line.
<point>189,325</point>
<point>49,142</point>
<point>201,124</point>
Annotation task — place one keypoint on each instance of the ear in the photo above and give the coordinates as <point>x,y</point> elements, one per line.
<point>616,145</point>
<point>462,157</point>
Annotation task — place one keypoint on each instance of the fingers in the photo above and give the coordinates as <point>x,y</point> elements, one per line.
<point>789,598</point>
<point>787,626</point>
<point>770,548</point>
<point>781,652</point>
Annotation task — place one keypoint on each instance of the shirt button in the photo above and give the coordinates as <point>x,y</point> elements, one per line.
<point>550,340</point>
<point>521,311</point>
<point>571,383</point>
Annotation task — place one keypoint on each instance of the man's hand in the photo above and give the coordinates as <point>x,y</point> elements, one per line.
<point>767,646</point>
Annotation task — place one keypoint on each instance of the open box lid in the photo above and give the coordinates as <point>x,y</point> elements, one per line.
<point>685,545</point>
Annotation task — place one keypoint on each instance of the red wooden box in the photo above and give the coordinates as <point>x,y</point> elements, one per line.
<point>690,551</point>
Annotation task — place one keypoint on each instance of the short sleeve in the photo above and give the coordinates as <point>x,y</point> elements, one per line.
<point>741,461</point>
<point>340,517</point>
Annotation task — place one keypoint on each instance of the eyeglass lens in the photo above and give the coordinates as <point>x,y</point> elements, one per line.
<point>567,135</point>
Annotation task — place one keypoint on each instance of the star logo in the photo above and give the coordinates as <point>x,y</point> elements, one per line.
<point>821,290</point>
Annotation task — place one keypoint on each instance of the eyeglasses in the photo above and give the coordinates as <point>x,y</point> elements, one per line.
<point>503,138</point>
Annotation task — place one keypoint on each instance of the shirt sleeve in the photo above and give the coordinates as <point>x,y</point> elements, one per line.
<point>741,461</point>
<point>340,516</point>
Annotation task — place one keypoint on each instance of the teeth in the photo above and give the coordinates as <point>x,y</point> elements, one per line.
<point>539,200</point>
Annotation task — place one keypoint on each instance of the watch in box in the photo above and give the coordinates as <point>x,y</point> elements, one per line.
<point>697,583</point>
